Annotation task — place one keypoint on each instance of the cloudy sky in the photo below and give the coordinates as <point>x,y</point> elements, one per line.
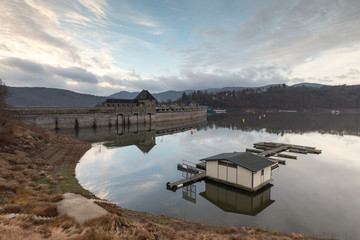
<point>104,46</point>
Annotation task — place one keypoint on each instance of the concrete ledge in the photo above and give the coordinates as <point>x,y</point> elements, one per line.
<point>82,209</point>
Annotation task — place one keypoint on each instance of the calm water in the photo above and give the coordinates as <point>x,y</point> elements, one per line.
<point>318,195</point>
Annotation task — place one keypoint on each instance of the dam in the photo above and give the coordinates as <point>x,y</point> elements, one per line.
<point>112,112</point>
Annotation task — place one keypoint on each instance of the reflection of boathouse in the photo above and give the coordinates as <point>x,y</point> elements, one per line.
<point>235,200</point>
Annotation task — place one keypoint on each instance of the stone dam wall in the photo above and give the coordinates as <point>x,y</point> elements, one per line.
<point>66,118</point>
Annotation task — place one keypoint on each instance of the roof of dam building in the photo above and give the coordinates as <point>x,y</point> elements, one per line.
<point>143,95</point>
<point>118,100</point>
<point>246,160</point>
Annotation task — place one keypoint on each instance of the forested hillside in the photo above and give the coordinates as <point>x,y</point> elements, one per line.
<point>283,97</point>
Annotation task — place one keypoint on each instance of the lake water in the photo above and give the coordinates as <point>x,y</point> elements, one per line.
<point>317,195</point>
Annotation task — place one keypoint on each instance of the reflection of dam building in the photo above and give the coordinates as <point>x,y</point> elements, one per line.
<point>235,200</point>
<point>144,140</point>
<point>142,136</point>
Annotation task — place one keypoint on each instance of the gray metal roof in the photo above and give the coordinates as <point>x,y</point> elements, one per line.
<point>246,160</point>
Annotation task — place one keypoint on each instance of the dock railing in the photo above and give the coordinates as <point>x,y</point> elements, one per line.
<point>188,166</point>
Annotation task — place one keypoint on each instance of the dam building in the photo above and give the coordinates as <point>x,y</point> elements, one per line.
<point>112,112</point>
<point>137,110</point>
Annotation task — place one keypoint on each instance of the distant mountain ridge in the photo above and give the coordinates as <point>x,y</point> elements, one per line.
<point>314,85</point>
<point>49,97</point>
<point>52,97</point>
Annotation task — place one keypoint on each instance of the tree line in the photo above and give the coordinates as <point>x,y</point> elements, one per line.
<point>280,96</point>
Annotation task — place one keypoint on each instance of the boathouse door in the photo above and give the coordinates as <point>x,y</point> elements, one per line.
<point>262,176</point>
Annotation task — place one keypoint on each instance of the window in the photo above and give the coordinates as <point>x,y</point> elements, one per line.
<point>262,172</point>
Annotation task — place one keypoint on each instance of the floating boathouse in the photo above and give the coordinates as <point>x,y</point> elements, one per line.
<point>239,169</point>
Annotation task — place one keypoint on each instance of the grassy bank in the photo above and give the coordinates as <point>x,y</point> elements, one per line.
<point>37,167</point>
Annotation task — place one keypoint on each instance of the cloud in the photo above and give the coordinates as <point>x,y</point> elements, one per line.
<point>95,6</point>
<point>24,65</point>
<point>76,74</point>
<point>247,77</point>
<point>105,46</point>
<point>42,71</point>
<point>25,26</point>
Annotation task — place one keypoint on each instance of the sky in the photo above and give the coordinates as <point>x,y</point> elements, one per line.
<point>104,46</point>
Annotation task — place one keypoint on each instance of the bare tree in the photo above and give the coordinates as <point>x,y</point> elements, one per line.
<point>3,93</point>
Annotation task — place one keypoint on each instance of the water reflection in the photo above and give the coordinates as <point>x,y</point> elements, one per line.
<point>234,200</point>
<point>143,136</point>
<point>189,193</point>
<point>144,140</point>
<point>308,195</point>
<point>281,123</point>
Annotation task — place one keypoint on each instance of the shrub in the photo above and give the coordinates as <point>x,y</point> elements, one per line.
<point>12,208</point>
<point>51,180</point>
<point>56,198</point>
<point>5,173</point>
<point>6,128</point>
<point>45,209</point>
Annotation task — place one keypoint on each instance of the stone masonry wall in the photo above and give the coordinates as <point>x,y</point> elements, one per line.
<point>64,118</point>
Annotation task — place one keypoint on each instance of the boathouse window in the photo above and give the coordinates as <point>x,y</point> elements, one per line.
<point>224,163</point>
<point>262,172</point>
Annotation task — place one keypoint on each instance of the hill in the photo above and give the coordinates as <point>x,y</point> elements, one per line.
<point>49,97</point>
<point>313,85</point>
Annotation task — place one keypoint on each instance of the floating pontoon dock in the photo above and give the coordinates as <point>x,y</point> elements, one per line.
<point>268,149</point>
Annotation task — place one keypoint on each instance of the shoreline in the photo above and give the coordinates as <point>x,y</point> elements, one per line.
<point>39,166</point>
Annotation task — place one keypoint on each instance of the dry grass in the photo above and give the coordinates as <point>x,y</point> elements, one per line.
<point>13,232</point>
<point>109,223</point>
<point>64,222</point>
<point>97,234</point>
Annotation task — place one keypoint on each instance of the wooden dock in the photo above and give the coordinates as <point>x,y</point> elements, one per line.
<point>274,151</point>
<point>268,149</point>
<point>282,162</point>
<point>271,148</point>
<point>183,182</point>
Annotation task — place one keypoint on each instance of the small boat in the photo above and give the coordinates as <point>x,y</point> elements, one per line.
<point>219,110</point>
